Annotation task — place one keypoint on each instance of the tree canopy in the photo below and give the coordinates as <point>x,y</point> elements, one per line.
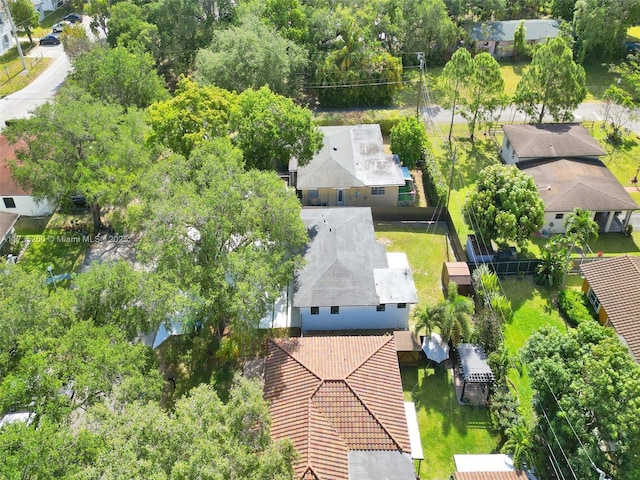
<point>25,17</point>
<point>553,84</point>
<point>232,237</point>
<point>581,377</point>
<point>504,205</point>
<point>80,145</point>
<point>251,55</point>
<point>409,141</point>
<point>117,75</point>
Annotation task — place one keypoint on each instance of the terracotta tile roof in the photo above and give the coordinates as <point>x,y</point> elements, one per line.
<point>552,140</point>
<point>8,186</point>
<point>616,283</point>
<point>490,476</point>
<point>330,395</point>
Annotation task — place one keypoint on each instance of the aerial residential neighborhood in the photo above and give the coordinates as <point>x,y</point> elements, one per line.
<point>319,240</point>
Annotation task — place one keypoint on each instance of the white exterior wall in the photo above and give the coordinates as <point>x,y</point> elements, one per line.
<point>507,153</point>
<point>354,318</point>
<point>6,39</point>
<point>27,206</point>
<point>558,223</point>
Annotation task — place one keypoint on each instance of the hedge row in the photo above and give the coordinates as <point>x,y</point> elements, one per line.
<point>435,187</point>
<point>574,306</point>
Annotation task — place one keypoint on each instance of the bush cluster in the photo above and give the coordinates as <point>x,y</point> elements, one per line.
<point>574,305</point>
<point>435,187</point>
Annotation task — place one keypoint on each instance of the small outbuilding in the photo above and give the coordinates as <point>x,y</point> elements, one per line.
<point>457,272</point>
<point>408,347</point>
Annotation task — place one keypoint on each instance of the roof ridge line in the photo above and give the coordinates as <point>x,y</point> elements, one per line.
<point>373,415</point>
<point>296,360</point>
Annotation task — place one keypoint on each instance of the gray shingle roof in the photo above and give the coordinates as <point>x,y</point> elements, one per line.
<point>552,140</point>
<point>616,283</point>
<point>574,182</point>
<point>345,265</point>
<point>504,31</point>
<point>351,156</point>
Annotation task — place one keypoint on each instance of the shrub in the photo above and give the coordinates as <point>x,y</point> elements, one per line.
<point>504,408</point>
<point>435,187</point>
<point>574,306</point>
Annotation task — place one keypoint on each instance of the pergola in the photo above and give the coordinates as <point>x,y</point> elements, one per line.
<point>472,361</point>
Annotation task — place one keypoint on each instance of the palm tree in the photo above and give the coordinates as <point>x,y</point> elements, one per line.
<point>519,445</point>
<point>452,316</point>
<point>581,228</point>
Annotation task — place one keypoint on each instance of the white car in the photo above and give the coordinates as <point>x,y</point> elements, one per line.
<point>60,26</point>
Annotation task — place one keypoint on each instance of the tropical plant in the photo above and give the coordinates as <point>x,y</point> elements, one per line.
<point>552,265</point>
<point>452,316</point>
<point>519,445</point>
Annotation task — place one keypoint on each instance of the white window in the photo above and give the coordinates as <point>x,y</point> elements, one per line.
<point>377,191</point>
<point>594,300</point>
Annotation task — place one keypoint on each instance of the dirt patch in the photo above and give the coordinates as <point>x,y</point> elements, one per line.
<point>387,242</point>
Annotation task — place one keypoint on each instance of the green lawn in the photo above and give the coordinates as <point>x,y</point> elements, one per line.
<point>533,307</point>
<point>446,428</point>
<point>12,76</point>
<point>426,248</point>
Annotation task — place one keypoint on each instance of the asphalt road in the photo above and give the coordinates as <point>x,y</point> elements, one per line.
<point>43,88</point>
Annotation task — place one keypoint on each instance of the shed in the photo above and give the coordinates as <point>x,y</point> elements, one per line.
<point>459,273</point>
<point>408,347</point>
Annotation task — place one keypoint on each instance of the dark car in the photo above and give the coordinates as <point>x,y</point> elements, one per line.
<point>73,17</point>
<point>51,39</point>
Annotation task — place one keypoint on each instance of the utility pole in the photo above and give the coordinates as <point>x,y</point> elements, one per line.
<point>421,59</point>
<point>453,109</point>
<point>452,152</point>
<point>15,34</point>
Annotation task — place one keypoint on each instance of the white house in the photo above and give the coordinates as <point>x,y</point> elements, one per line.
<point>13,198</point>
<point>6,39</point>
<point>564,161</point>
<point>351,169</point>
<point>42,6</point>
<point>349,281</point>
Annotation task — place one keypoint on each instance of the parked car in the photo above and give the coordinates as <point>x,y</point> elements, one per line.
<point>60,26</point>
<point>73,17</point>
<point>51,39</point>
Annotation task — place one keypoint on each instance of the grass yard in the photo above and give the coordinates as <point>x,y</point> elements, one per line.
<point>533,307</point>
<point>445,426</point>
<point>426,249</point>
<point>12,76</point>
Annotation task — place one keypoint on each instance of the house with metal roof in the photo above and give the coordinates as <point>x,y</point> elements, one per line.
<point>497,37</point>
<point>563,160</point>
<point>351,169</point>
<point>339,401</point>
<point>612,286</point>
<point>348,280</point>
<point>13,198</point>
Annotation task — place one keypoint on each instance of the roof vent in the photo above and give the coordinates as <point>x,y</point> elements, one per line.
<point>335,149</point>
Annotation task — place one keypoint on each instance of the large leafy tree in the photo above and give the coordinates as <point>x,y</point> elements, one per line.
<point>251,55</point>
<point>271,130</point>
<point>24,16</point>
<point>484,91</point>
<point>409,141</point>
<point>99,360</point>
<point>581,377</point>
<point>113,293</point>
<point>428,28</point>
<point>116,75</point>
<point>288,18</point>
<point>553,84</point>
<point>194,115</point>
<point>80,145</point>
<point>504,205</point>
<point>128,26</point>
<point>233,237</point>
<point>600,27</point>
<point>202,438</point>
